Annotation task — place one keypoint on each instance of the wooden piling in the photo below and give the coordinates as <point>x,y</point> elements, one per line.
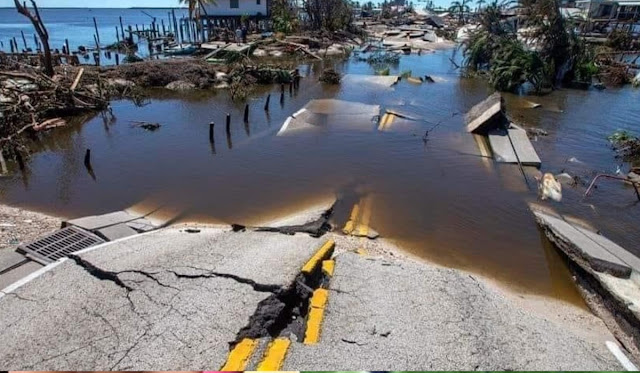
<point>117,59</point>
<point>246,113</point>
<point>24,40</point>
<point>266,104</point>
<point>211,126</point>
<point>66,43</point>
<point>87,159</point>
<point>122,28</point>
<point>15,43</point>
<point>291,88</point>
<point>19,159</point>
<point>281,88</point>
<point>11,46</point>
<point>164,31</point>
<point>130,35</point>
<point>228,122</point>
<point>95,25</point>
<point>282,98</point>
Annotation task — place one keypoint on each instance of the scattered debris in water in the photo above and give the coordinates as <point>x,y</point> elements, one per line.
<point>146,125</point>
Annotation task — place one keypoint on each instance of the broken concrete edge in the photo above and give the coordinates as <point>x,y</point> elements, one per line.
<point>605,302</point>
<point>576,254</point>
<point>16,285</point>
<point>315,228</point>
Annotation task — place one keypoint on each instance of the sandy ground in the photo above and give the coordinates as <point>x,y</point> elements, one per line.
<point>18,226</point>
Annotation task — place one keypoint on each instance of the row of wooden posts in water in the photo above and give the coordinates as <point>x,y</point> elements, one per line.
<point>295,84</point>
<point>181,30</point>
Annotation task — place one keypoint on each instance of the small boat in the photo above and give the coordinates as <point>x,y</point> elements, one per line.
<point>181,50</point>
<point>393,32</point>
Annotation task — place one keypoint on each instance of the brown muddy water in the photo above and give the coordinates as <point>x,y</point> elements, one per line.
<point>439,199</point>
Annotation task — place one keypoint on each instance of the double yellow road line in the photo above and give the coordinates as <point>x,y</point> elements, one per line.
<point>276,351</point>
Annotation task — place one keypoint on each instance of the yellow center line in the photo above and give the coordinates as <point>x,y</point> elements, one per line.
<point>275,354</point>
<point>328,267</point>
<point>351,224</point>
<point>323,253</point>
<point>239,356</point>
<point>316,313</point>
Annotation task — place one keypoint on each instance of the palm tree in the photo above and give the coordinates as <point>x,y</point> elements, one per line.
<point>460,7</point>
<point>196,6</point>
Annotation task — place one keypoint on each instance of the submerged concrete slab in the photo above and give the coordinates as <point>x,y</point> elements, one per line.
<point>324,113</point>
<point>370,80</point>
<point>392,314</point>
<point>164,300</point>
<point>503,150</point>
<point>581,247</point>
<point>482,116</point>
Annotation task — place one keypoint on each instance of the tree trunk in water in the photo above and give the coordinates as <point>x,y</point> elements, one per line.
<point>41,30</point>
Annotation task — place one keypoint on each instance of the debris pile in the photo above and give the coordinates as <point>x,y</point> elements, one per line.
<point>626,145</point>
<point>32,102</point>
<point>330,76</point>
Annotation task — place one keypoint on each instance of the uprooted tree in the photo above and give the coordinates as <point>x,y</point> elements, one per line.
<point>41,30</point>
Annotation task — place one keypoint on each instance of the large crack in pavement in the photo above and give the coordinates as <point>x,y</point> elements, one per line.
<point>112,276</point>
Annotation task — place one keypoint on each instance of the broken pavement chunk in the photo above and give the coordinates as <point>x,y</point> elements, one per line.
<point>483,115</point>
<point>580,246</point>
<point>503,151</point>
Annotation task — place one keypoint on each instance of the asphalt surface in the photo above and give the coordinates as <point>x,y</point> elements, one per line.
<point>155,305</point>
<point>390,314</point>
<point>172,300</point>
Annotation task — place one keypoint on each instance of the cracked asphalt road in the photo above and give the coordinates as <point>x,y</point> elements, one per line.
<point>172,300</point>
<point>162,301</point>
<point>389,314</point>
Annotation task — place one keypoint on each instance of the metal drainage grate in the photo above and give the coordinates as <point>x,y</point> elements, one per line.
<point>60,244</point>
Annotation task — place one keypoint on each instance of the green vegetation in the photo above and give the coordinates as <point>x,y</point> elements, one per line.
<point>547,53</point>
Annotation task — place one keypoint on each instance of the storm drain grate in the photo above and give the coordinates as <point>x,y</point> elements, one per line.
<point>60,244</point>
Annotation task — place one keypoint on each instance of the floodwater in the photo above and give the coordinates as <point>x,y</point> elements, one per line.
<point>440,199</point>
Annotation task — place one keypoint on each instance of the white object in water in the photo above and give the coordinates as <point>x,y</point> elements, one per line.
<point>549,187</point>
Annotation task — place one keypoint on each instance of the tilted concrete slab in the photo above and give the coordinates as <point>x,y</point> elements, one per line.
<point>503,151</point>
<point>582,247</point>
<point>166,300</point>
<point>619,252</point>
<point>390,314</point>
<point>482,116</point>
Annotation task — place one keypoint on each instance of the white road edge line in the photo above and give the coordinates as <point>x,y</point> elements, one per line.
<point>30,277</point>
<point>622,358</point>
<point>25,280</point>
